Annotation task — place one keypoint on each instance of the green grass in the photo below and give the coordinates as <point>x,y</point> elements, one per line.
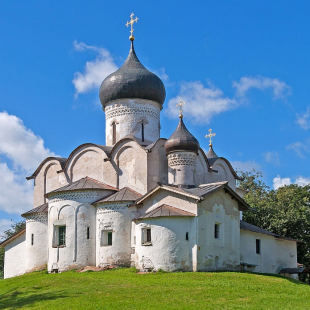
<point>124,289</point>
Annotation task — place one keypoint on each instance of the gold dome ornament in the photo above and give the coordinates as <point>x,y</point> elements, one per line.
<point>210,135</point>
<point>180,105</point>
<point>131,22</point>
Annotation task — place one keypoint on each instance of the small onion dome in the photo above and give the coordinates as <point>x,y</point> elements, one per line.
<point>132,80</point>
<point>211,153</point>
<point>182,140</point>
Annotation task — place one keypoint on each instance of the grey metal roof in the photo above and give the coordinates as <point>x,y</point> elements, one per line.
<point>295,270</point>
<point>125,194</point>
<point>132,80</point>
<point>40,209</point>
<point>246,226</point>
<point>205,189</point>
<point>84,184</point>
<point>11,238</point>
<point>181,140</point>
<point>200,192</point>
<point>211,153</point>
<point>165,211</point>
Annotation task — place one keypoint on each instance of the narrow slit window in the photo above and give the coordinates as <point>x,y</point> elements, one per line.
<point>87,233</point>
<point>142,131</point>
<point>148,235</point>
<point>32,239</point>
<point>217,231</point>
<point>186,236</point>
<point>62,235</point>
<point>258,246</point>
<point>113,133</point>
<point>110,238</point>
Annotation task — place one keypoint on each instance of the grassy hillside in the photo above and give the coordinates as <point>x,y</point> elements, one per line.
<point>124,289</point>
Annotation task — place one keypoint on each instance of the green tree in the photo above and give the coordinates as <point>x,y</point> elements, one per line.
<point>285,211</point>
<point>15,227</point>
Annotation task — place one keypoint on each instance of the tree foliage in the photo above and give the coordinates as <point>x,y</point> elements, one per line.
<point>15,227</point>
<point>285,211</point>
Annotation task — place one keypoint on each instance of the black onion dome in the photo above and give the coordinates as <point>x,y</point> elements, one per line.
<point>182,140</point>
<point>132,80</point>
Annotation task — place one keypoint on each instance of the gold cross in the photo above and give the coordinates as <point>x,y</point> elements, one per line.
<point>210,135</point>
<point>180,105</point>
<point>131,24</point>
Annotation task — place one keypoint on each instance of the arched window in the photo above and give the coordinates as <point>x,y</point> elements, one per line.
<point>113,133</point>
<point>142,131</point>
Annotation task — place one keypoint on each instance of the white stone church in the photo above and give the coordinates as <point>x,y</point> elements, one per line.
<point>141,200</point>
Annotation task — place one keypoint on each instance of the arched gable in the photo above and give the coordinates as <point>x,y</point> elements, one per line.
<point>87,160</point>
<point>157,164</point>
<point>224,172</point>
<point>46,178</point>
<point>130,162</point>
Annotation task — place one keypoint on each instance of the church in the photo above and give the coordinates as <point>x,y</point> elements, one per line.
<point>141,200</point>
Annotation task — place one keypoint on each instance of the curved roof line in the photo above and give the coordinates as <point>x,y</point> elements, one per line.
<point>61,160</point>
<point>131,138</point>
<point>232,170</point>
<point>152,145</point>
<point>205,158</point>
<point>106,149</point>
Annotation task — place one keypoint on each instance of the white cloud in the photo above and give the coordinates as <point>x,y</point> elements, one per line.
<point>280,89</point>
<point>245,165</point>
<point>302,181</point>
<point>21,145</point>
<point>4,225</point>
<point>202,103</point>
<point>26,151</point>
<point>278,182</point>
<point>95,71</point>
<point>272,157</point>
<point>299,148</point>
<point>16,193</point>
<point>303,119</point>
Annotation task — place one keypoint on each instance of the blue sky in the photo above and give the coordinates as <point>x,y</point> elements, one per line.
<point>241,66</point>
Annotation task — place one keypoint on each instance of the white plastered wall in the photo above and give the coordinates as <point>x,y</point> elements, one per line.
<point>47,180</point>
<point>275,253</point>
<point>130,162</point>
<point>162,196</point>
<point>223,174</point>
<point>128,115</point>
<point>73,210</point>
<point>88,160</point>
<point>157,165</point>
<point>36,253</point>
<point>182,168</point>
<point>223,252</point>
<point>169,249</point>
<point>116,218</point>
<point>14,259</point>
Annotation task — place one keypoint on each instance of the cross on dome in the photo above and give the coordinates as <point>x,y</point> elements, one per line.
<point>180,105</point>
<point>210,135</point>
<point>131,22</point>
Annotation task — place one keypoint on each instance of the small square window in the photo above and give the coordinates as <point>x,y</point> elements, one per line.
<point>106,238</point>
<point>146,236</point>
<point>258,246</point>
<point>217,231</point>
